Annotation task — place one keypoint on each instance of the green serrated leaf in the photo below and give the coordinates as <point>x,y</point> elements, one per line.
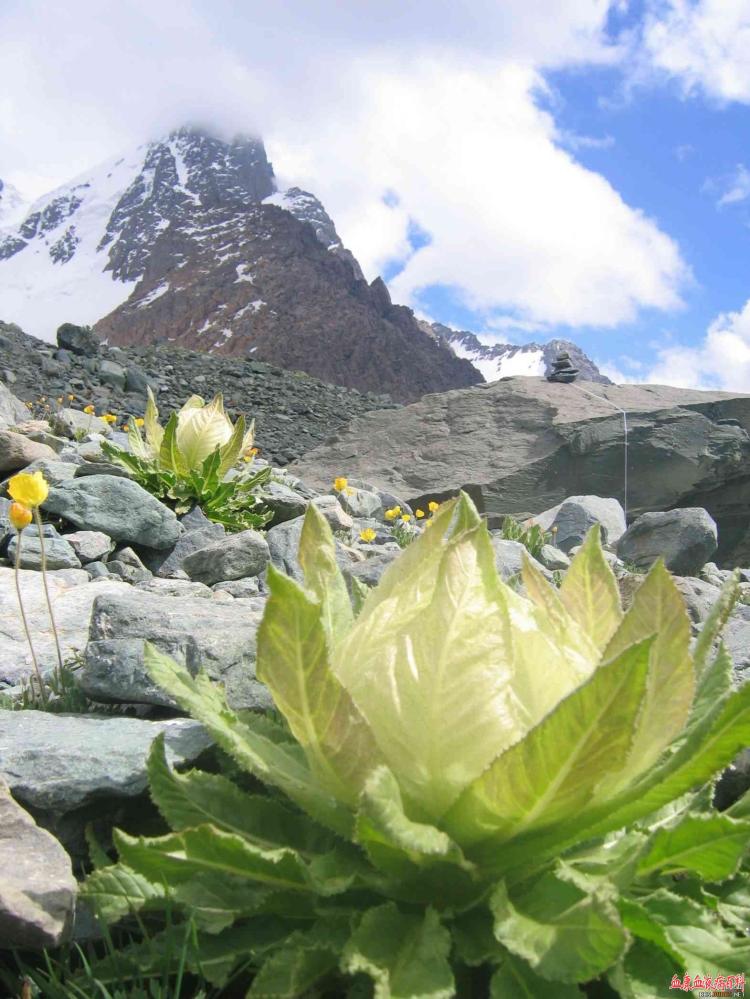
<point>204,850</point>
<point>714,623</point>
<point>195,798</point>
<point>169,455</point>
<point>658,609</point>
<point>589,591</point>
<point>552,774</point>
<point>689,932</point>
<point>565,934</point>
<point>154,431</point>
<point>474,941</point>
<point>405,955</point>
<point>229,454</point>
<point>710,845</point>
<point>317,556</point>
<point>279,763</point>
<point>117,890</point>
<point>292,660</point>
<point>733,901</point>
<point>514,979</point>
<point>305,959</point>
<point>644,973</point>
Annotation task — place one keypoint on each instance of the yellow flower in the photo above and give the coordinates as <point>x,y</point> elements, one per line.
<point>406,517</point>
<point>29,489</point>
<point>139,421</point>
<point>29,405</point>
<point>89,410</point>
<point>109,418</point>
<point>367,535</point>
<point>20,516</point>
<point>71,397</point>
<point>432,506</point>
<point>340,484</point>
<point>60,399</point>
<point>126,427</point>
<point>392,513</point>
<point>419,514</point>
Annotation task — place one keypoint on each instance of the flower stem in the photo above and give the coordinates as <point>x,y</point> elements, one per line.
<point>40,681</point>
<point>46,588</point>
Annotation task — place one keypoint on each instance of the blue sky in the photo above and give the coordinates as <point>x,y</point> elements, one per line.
<point>524,169</point>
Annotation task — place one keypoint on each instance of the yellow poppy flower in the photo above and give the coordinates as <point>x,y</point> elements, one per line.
<point>340,484</point>
<point>71,397</point>
<point>419,514</point>
<point>89,410</point>
<point>405,517</point>
<point>139,421</point>
<point>367,535</point>
<point>392,513</point>
<point>28,489</point>
<point>20,516</point>
<point>109,418</point>
<point>432,506</point>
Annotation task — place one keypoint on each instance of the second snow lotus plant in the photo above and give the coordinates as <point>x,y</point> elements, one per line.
<point>474,793</point>
<point>187,461</point>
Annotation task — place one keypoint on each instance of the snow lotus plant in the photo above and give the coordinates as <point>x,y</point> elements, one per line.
<point>472,792</point>
<point>187,461</point>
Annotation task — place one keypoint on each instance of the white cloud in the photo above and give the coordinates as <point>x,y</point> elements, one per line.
<point>736,187</point>
<point>439,102</point>
<point>720,361</point>
<point>704,44</point>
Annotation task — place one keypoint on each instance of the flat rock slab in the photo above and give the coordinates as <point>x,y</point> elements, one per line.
<point>525,444</point>
<point>197,632</point>
<point>71,605</point>
<point>37,887</point>
<point>56,763</point>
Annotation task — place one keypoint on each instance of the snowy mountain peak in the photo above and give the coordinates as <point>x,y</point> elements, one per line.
<point>78,252</point>
<point>503,360</point>
<point>12,204</point>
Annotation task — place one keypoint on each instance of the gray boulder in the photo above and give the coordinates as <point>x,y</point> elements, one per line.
<point>338,519</point>
<point>12,410</point>
<point>360,502</point>
<point>58,552</point>
<point>78,339</point>
<point>71,603</point>
<point>235,556</point>
<point>55,472</point>
<point>571,520</point>
<point>371,570</point>
<point>76,423</point>
<point>118,507</point>
<point>553,559</point>
<point>285,503</point>
<point>283,545</point>
<point>90,546</point>
<point>174,587</point>
<point>112,373</point>
<point>57,763</point>
<point>17,451</point>
<point>199,633</point>
<point>685,538</point>
<point>37,887</point>
<point>509,556</point>
<point>525,444</point>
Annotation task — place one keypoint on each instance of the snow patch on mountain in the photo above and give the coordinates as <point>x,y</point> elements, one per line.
<point>507,360</point>
<point>12,204</point>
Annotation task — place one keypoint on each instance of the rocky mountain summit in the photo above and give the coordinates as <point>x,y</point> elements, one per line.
<point>521,445</point>
<point>504,360</point>
<point>186,240</point>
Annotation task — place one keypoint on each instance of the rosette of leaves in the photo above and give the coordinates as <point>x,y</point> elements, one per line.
<point>533,538</point>
<point>473,792</point>
<point>187,462</point>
